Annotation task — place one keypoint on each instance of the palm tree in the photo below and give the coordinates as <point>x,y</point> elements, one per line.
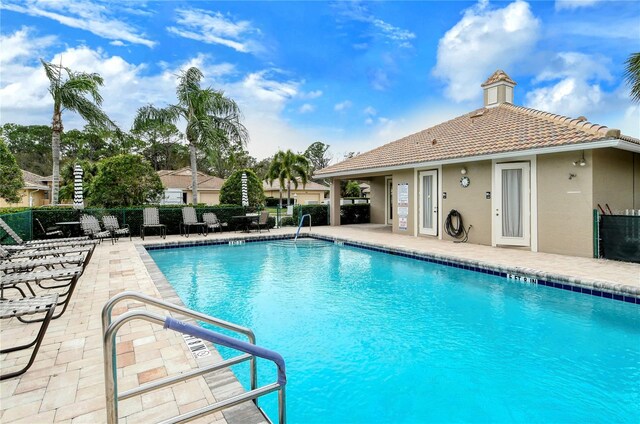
<point>212,119</point>
<point>77,92</point>
<point>632,75</point>
<point>288,166</point>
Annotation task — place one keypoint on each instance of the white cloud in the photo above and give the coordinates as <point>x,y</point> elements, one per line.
<point>310,95</point>
<point>370,111</point>
<point>358,12</point>
<point>117,43</point>
<point>83,14</point>
<point>21,44</point>
<point>485,39</point>
<point>571,85</point>
<point>215,28</point>
<point>574,4</point>
<point>342,106</point>
<point>306,108</point>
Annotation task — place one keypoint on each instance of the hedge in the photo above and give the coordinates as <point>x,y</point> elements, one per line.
<point>355,214</point>
<point>319,214</point>
<point>170,215</point>
<point>349,214</point>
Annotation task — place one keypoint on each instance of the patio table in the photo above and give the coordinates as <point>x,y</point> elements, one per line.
<point>70,228</point>
<point>245,221</point>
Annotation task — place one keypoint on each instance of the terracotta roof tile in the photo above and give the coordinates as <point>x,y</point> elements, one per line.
<point>310,186</point>
<point>34,181</point>
<point>181,178</point>
<point>500,129</point>
<point>497,76</point>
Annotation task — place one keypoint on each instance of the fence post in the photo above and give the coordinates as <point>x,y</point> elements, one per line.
<point>596,233</point>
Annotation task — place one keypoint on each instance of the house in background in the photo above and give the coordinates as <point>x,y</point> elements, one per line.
<point>35,192</point>
<point>519,176</point>
<point>310,193</point>
<point>178,190</point>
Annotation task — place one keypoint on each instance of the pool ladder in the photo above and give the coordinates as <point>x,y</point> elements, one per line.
<point>251,351</point>
<point>300,225</point>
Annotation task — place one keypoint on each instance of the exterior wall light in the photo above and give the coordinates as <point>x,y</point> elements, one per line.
<point>463,171</point>
<point>581,161</point>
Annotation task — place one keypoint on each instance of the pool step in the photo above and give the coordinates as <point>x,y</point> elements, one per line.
<point>304,243</point>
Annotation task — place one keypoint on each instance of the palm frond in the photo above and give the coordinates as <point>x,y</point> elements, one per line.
<point>632,75</point>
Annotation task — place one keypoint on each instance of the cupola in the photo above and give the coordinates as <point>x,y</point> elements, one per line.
<point>498,88</point>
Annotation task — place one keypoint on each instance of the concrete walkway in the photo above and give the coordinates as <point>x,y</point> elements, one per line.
<point>66,383</point>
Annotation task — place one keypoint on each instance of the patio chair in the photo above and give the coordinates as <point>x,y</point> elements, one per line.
<point>50,232</point>
<point>22,243</point>
<point>262,221</point>
<point>17,308</point>
<point>111,224</point>
<point>189,219</point>
<point>35,254</point>
<point>91,228</point>
<point>212,222</point>
<point>151,219</point>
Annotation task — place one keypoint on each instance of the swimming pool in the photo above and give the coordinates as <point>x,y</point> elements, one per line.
<point>371,337</point>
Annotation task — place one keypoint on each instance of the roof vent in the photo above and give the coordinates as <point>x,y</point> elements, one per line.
<point>433,142</point>
<point>581,118</point>
<point>498,88</point>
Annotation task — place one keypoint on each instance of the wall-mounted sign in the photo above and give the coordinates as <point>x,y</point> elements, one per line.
<point>403,206</point>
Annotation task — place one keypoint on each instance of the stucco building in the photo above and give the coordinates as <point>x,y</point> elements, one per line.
<point>519,176</point>
<point>35,191</point>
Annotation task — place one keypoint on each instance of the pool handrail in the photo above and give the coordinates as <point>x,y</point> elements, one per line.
<point>300,225</point>
<point>110,329</point>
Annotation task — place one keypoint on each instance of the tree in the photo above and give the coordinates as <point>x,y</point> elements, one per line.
<point>261,168</point>
<point>124,180</point>
<point>163,145</point>
<point>352,189</point>
<point>31,146</point>
<point>317,155</point>
<point>288,167</point>
<point>77,92</point>
<point>224,161</point>
<point>11,181</point>
<point>231,190</point>
<point>632,75</point>
<point>212,119</point>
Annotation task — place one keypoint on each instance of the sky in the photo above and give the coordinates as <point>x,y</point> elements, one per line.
<point>353,75</point>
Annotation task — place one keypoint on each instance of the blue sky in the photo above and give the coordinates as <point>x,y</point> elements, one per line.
<point>354,75</point>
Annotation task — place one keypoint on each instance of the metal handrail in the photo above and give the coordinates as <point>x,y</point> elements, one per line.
<point>300,225</point>
<point>110,330</point>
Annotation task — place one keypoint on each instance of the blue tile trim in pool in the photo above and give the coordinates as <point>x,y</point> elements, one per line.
<point>482,268</point>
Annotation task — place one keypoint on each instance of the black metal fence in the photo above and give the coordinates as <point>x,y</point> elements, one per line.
<point>619,237</point>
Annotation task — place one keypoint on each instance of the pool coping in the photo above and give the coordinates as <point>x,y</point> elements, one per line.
<point>605,289</point>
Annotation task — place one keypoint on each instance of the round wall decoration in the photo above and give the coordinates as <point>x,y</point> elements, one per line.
<point>465,181</point>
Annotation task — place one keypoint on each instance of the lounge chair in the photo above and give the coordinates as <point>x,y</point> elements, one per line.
<point>151,219</point>
<point>189,219</point>
<point>111,224</point>
<point>60,252</point>
<point>22,243</point>
<point>91,228</point>
<point>51,232</point>
<point>48,259</point>
<point>262,221</point>
<point>212,222</point>
<point>63,278</point>
<point>17,308</point>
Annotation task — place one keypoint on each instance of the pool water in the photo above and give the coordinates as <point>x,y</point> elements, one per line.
<point>371,337</point>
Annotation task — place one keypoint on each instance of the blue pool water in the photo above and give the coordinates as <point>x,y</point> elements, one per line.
<point>370,337</point>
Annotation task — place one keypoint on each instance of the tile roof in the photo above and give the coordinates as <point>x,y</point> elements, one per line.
<point>181,178</point>
<point>310,186</point>
<point>34,181</point>
<point>500,129</point>
<point>497,76</point>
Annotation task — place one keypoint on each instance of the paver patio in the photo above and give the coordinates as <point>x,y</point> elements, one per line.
<point>66,382</point>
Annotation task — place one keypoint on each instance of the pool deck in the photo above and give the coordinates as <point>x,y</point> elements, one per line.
<point>66,382</point>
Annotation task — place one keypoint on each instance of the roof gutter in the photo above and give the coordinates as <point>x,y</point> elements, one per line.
<point>613,142</point>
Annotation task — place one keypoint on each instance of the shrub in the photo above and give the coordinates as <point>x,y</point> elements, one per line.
<point>124,180</point>
<point>10,175</point>
<point>231,190</point>
<point>355,214</point>
<point>319,214</point>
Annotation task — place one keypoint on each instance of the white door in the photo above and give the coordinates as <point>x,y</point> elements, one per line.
<point>389,200</point>
<point>428,203</point>
<point>511,204</point>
